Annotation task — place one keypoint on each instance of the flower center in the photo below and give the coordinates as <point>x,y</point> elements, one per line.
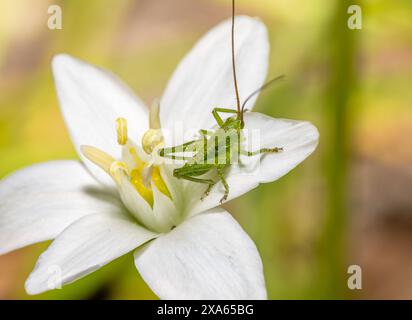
<point>141,176</point>
<point>141,165</point>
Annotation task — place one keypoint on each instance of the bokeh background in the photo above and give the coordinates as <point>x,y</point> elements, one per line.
<point>349,203</point>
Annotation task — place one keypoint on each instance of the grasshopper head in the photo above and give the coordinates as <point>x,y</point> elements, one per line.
<point>232,123</point>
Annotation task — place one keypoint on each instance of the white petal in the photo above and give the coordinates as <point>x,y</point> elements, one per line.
<point>298,140</point>
<point>204,80</point>
<point>164,209</point>
<point>173,185</point>
<point>208,256</point>
<point>91,100</point>
<point>85,246</point>
<point>38,202</point>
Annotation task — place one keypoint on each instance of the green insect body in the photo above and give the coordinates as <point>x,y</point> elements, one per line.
<point>215,150</point>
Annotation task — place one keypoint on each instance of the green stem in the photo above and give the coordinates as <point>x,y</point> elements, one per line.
<point>332,246</point>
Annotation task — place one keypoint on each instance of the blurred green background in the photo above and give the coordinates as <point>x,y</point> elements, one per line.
<point>349,203</point>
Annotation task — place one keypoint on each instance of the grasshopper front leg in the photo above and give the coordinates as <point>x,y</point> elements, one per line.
<point>218,118</point>
<point>225,184</point>
<point>171,151</point>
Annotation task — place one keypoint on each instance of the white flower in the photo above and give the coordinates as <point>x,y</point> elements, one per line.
<point>192,249</point>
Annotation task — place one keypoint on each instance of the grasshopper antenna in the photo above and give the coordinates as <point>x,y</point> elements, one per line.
<point>266,85</point>
<point>234,62</point>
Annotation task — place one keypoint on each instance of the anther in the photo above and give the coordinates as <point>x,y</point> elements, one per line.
<point>154,115</point>
<point>121,128</point>
<point>151,139</point>
<point>98,157</point>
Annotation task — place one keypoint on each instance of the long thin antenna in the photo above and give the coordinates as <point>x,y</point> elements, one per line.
<point>234,62</point>
<point>267,84</point>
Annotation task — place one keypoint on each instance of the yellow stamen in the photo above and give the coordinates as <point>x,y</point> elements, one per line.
<point>159,182</point>
<point>136,158</point>
<point>147,172</point>
<point>154,117</point>
<point>143,172</point>
<point>121,127</point>
<point>145,192</point>
<point>98,157</point>
<point>141,181</point>
<point>136,178</point>
<point>116,170</point>
<point>153,137</point>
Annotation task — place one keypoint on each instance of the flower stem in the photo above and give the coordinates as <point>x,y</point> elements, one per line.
<point>332,267</point>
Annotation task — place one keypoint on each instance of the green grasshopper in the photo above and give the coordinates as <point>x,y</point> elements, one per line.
<point>215,150</point>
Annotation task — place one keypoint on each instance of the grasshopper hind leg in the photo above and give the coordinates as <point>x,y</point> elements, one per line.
<point>225,185</point>
<point>207,192</point>
<point>211,185</point>
<point>209,182</point>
